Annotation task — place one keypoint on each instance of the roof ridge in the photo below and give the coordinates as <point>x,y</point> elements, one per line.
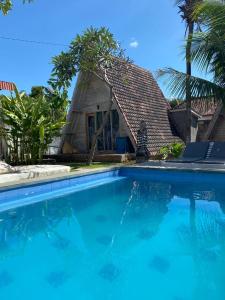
<point>141,68</point>
<point>132,64</point>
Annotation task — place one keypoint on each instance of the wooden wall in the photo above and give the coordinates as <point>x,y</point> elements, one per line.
<point>178,120</point>
<point>88,98</point>
<point>218,133</point>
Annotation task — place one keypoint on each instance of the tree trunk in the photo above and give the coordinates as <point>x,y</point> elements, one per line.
<point>99,131</point>
<point>188,85</point>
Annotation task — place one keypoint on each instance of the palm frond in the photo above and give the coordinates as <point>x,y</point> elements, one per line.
<point>211,13</point>
<point>208,52</point>
<point>200,88</point>
<point>208,47</point>
<point>186,9</point>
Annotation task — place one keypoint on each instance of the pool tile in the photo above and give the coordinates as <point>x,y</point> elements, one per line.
<point>109,272</point>
<point>83,204</point>
<point>12,214</point>
<point>209,255</point>
<point>5,279</point>
<point>60,184</point>
<point>104,240</point>
<point>61,243</point>
<point>58,278</point>
<point>35,190</point>
<point>14,194</point>
<point>100,218</point>
<point>145,234</point>
<point>160,264</point>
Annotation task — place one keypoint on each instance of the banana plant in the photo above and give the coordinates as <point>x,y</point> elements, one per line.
<point>29,124</point>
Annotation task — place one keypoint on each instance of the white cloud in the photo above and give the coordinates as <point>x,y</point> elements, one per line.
<point>134,44</point>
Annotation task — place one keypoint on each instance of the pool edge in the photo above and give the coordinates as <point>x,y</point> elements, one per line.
<point>53,178</point>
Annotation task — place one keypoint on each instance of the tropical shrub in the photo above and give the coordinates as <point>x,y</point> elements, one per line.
<point>29,124</point>
<point>173,150</point>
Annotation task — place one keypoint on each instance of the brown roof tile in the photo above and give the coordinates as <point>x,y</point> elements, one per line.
<point>202,107</point>
<point>140,98</point>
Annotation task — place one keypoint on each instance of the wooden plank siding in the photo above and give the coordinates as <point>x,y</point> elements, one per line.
<point>218,132</point>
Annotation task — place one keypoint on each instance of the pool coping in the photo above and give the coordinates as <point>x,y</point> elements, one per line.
<point>54,178</point>
<point>151,165</point>
<point>181,167</point>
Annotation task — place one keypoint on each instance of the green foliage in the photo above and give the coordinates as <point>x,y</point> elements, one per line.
<point>174,102</point>
<point>92,52</point>
<point>186,9</point>
<point>6,5</point>
<point>208,53</point>
<point>173,150</point>
<point>177,149</point>
<point>200,88</point>
<point>31,123</point>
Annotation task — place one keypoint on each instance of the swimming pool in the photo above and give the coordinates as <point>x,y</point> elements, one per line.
<point>125,234</point>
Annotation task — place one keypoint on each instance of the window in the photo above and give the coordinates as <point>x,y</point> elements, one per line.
<point>107,140</point>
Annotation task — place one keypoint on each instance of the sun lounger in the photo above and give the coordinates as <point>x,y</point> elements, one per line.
<point>217,154</point>
<point>193,152</point>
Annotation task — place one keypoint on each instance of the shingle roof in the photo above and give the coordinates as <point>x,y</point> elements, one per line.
<point>140,99</point>
<point>202,107</point>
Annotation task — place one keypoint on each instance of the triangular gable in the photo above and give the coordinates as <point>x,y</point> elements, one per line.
<point>139,98</point>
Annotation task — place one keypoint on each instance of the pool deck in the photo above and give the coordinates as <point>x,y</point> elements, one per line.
<point>41,173</point>
<point>12,180</point>
<point>24,174</point>
<point>162,165</point>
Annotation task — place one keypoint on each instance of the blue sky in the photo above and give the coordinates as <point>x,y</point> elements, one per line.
<point>151,32</point>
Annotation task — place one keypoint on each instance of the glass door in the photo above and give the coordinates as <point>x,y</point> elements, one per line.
<point>100,141</point>
<point>90,129</point>
<point>106,141</point>
<point>108,134</point>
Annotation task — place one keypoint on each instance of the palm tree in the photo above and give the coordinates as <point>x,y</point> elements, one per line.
<point>208,53</point>
<point>186,9</point>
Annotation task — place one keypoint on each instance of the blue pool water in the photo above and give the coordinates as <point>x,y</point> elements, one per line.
<point>126,235</point>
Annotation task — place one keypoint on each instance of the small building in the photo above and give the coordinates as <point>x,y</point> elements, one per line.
<point>178,121</point>
<point>137,97</point>
<point>208,120</point>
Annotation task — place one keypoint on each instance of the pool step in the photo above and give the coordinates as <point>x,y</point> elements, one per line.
<point>54,192</point>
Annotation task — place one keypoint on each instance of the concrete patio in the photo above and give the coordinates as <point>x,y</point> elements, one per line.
<point>21,173</point>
